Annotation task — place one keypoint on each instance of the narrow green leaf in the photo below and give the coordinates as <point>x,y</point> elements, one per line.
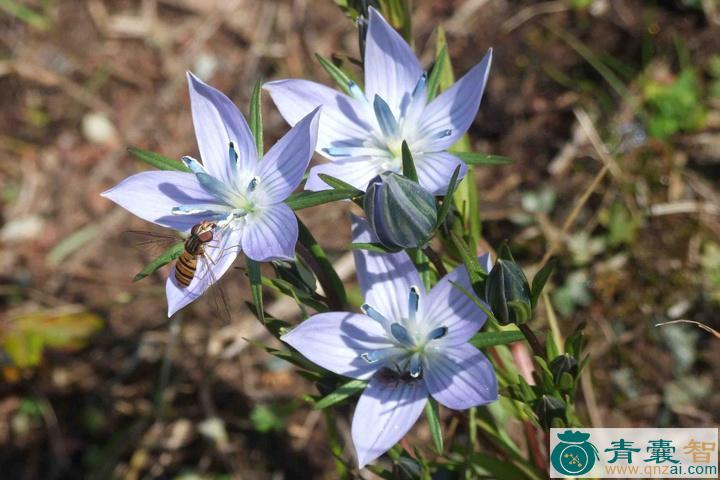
<point>338,184</point>
<point>433,418</point>
<point>157,160</point>
<point>341,393</point>
<point>475,158</point>
<point>475,271</point>
<point>447,201</point>
<point>255,277</point>
<point>437,71</point>
<point>307,199</point>
<point>164,258</point>
<point>491,339</point>
<point>540,280</point>
<point>408,165</point>
<point>370,247</point>
<point>286,288</point>
<point>551,348</point>
<point>475,300</point>
<point>336,73</point>
<point>256,125</point>
<point>505,253</point>
<point>317,260</point>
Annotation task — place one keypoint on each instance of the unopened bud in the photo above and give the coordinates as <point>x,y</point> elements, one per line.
<point>400,212</point>
<point>508,293</point>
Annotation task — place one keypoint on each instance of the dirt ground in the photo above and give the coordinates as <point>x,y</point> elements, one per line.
<point>80,81</point>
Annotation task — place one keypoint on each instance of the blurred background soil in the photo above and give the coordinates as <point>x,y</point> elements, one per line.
<point>577,86</point>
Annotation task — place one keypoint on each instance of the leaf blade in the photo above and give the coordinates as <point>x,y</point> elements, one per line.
<point>156,160</point>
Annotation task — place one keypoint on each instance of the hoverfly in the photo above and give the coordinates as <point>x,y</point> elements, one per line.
<point>186,265</point>
<point>194,262</point>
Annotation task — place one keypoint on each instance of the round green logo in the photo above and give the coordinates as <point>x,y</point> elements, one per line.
<point>574,455</point>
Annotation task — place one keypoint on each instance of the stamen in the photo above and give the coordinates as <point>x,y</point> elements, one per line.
<point>420,86</point>
<point>415,365</point>
<point>386,120</point>
<point>401,334</point>
<point>379,355</point>
<point>413,302</point>
<point>436,333</point>
<point>374,314</point>
<point>233,154</point>
<point>355,92</point>
<point>442,134</point>
<point>356,151</point>
<point>198,208</point>
<point>194,166</point>
<point>336,152</point>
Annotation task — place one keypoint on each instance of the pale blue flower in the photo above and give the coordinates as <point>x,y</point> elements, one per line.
<point>362,134</point>
<point>408,343</point>
<point>242,195</point>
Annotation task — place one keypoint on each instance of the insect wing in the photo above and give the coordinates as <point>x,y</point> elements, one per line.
<point>151,242</point>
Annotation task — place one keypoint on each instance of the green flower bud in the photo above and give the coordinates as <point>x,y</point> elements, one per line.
<point>508,293</point>
<point>548,409</point>
<point>563,364</point>
<point>400,212</point>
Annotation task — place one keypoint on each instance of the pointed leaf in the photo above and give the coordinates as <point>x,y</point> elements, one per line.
<point>307,199</point>
<point>475,158</point>
<point>408,165</point>
<point>370,247</point>
<point>491,339</point>
<point>255,277</point>
<point>337,184</point>
<point>541,279</point>
<point>156,160</point>
<point>433,418</point>
<point>256,126</point>
<point>437,72</point>
<point>341,393</point>
<point>164,258</point>
<point>447,201</point>
<point>336,73</point>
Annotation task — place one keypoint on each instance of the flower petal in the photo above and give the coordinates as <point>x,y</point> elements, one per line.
<point>454,109</point>
<point>385,278</point>
<point>336,341</point>
<point>391,68</point>
<point>343,120</point>
<point>218,122</point>
<point>460,377</point>
<point>210,267</point>
<point>386,411</point>
<point>447,306</point>
<point>270,233</point>
<point>153,195</point>
<point>436,169</point>
<point>357,171</point>
<point>285,163</point>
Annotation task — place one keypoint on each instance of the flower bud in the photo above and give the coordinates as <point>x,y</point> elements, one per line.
<point>550,410</point>
<point>508,293</point>
<point>400,212</point>
<point>563,364</point>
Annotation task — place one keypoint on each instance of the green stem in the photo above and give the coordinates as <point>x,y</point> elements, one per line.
<point>532,340</point>
<point>317,260</point>
<point>436,260</point>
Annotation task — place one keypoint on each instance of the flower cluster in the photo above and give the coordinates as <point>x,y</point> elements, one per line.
<point>409,343</point>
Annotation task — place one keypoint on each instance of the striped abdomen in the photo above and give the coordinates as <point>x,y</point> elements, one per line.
<point>187,262</point>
